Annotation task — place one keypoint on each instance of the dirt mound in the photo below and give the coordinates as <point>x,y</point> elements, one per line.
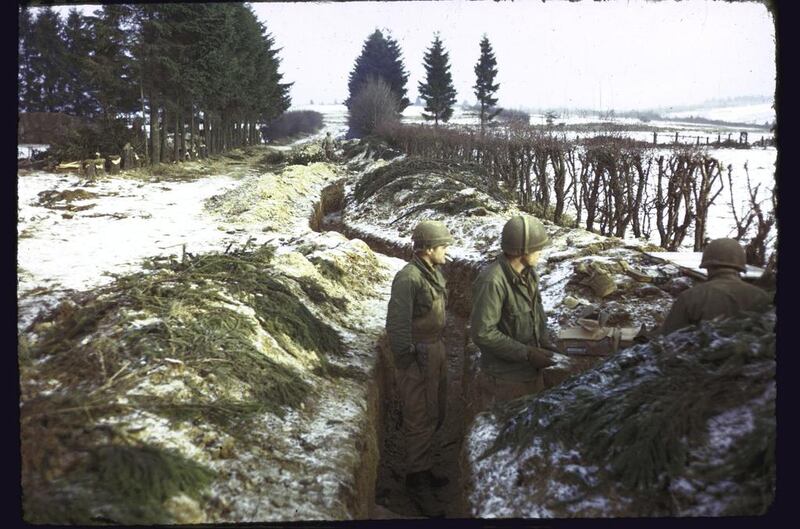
<point>389,200</point>
<point>274,200</point>
<point>201,390</point>
<point>683,426</point>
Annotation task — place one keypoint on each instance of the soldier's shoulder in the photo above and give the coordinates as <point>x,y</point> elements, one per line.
<point>490,272</point>
<point>408,272</point>
<point>757,291</point>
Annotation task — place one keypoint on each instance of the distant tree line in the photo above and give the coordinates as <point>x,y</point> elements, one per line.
<point>377,84</point>
<point>613,186</point>
<point>207,71</point>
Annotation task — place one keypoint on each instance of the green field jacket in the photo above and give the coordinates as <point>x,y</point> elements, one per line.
<point>416,309</point>
<point>724,294</point>
<point>507,316</point>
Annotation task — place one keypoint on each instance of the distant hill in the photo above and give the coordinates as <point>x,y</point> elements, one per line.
<point>753,114</point>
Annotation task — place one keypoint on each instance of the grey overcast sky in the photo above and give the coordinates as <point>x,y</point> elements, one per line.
<point>615,54</point>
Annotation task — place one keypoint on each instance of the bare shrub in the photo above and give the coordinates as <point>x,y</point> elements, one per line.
<point>373,106</point>
<point>756,248</point>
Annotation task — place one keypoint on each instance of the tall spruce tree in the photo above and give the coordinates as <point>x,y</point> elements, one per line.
<point>437,91</point>
<point>27,84</point>
<point>485,87</point>
<point>209,65</point>
<point>109,70</point>
<point>47,63</point>
<point>77,44</point>
<point>380,58</point>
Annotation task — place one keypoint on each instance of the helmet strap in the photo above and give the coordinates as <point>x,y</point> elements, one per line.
<point>524,245</point>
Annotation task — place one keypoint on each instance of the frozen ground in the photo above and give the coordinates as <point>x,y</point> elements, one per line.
<point>129,220</point>
<point>314,462</point>
<point>757,114</point>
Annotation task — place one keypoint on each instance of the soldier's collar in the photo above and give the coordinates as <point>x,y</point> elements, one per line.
<point>512,274</point>
<point>724,272</point>
<point>428,270</point>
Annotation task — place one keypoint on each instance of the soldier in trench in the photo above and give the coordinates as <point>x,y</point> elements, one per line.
<point>724,294</point>
<point>328,145</point>
<point>508,323</point>
<point>415,322</point>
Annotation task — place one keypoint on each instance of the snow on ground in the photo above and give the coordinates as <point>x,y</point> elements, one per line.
<point>26,150</point>
<point>128,221</point>
<point>757,114</point>
<point>306,466</point>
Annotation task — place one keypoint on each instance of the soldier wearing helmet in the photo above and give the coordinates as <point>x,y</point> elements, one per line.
<point>414,323</point>
<point>508,323</point>
<point>724,294</point>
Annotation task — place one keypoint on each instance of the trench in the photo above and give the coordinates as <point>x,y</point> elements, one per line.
<point>390,499</point>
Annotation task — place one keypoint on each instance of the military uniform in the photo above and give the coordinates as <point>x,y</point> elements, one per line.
<point>508,323</point>
<point>328,146</point>
<point>507,317</point>
<point>724,294</point>
<point>414,323</point>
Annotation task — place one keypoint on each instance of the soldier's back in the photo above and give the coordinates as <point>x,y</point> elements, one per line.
<point>723,297</point>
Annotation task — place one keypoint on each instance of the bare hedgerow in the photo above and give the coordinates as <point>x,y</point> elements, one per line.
<point>614,185</point>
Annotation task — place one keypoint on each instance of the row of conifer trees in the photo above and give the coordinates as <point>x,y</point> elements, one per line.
<point>381,63</point>
<point>206,72</point>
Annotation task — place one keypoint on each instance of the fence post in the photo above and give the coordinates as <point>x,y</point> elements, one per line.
<point>676,137</point>
<point>706,140</point>
<point>697,140</point>
<point>655,138</point>
<point>719,138</point>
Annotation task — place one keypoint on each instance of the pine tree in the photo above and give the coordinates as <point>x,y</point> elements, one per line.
<point>437,90</point>
<point>47,63</point>
<point>109,70</point>
<point>27,82</point>
<point>380,58</point>
<point>77,44</point>
<point>485,72</point>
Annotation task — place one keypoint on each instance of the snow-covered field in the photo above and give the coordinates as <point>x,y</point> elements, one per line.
<point>131,220</point>
<point>756,114</point>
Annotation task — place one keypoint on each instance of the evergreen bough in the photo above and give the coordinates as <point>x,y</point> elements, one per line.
<point>643,427</point>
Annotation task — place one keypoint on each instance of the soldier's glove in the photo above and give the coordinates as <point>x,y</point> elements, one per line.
<point>539,357</point>
<point>550,346</point>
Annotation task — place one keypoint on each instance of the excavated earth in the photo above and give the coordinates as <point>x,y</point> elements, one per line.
<point>235,385</point>
<point>323,440</point>
<point>382,203</point>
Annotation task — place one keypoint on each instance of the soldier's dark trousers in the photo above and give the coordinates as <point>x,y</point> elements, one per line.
<point>492,389</point>
<point>423,391</point>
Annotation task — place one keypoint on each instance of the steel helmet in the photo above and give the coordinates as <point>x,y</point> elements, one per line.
<point>522,235</point>
<point>724,252</point>
<point>430,234</point>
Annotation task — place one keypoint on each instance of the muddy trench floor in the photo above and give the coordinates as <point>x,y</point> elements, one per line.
<point>391,498</point>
